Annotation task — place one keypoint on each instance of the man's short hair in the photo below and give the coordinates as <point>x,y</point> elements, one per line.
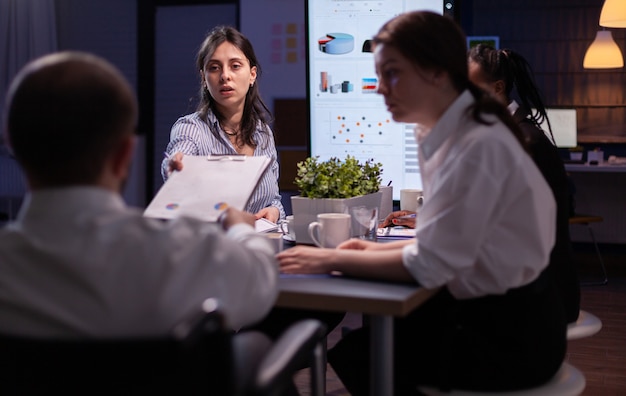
<point>65,113</point>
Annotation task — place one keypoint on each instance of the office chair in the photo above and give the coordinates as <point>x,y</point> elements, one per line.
<point>586,325</point>
<point>200,357</point>
<point>568,381</point>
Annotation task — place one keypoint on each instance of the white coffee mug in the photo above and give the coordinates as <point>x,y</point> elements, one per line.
<point>411,199</point>
<point>330,229</point>
<point>288,228</point>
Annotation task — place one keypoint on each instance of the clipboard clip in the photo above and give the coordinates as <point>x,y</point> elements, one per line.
<point>226,157</point>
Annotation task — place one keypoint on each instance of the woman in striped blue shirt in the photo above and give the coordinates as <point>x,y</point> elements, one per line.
<point>231,117</point>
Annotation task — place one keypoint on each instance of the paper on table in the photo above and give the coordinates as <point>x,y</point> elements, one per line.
<point>396,232</point>
<point>207,186</point>
<point>264,225</point>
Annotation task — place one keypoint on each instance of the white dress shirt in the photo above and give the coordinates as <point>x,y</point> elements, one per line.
<point>488,220</point>
<point>79,263</point>
<point>191,135</point>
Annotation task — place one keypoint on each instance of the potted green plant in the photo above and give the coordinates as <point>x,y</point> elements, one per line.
<point>333,186</point>
<point>576,153</point>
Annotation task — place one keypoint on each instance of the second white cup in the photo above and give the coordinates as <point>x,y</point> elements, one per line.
<point>330,229</point>
<point>288,228</point>
<point>411,199</point>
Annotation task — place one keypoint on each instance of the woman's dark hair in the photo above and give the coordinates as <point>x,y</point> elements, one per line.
<point>510,67</point>
<point>436,42</point>
<point>254,109</point>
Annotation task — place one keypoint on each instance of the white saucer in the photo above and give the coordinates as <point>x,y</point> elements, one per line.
<point>287,238</point>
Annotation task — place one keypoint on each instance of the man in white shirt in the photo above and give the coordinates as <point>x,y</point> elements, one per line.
<point>78,262</point>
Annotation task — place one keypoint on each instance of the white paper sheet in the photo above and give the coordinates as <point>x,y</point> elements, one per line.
<point>264,225</point>
<point>207,186</point>
<point>396,232</point>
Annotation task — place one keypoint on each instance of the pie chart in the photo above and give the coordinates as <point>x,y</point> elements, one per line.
<point>336,43</point>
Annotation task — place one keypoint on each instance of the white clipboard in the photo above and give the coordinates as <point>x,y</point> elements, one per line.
<point>207,186</point>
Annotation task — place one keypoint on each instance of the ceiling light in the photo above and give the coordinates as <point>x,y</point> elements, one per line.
<point>613,14</point>
<point>603,53</point>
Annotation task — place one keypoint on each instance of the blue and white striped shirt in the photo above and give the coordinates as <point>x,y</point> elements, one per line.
<point>191,135</point>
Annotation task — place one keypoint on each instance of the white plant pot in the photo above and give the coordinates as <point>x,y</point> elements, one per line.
<point>305,210</point>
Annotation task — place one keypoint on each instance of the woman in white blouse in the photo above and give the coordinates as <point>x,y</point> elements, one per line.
<point>484,234</point>
<point>231,117</point>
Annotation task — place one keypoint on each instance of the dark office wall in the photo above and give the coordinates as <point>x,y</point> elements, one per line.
<point>554,35</point>
<point>106,28</point>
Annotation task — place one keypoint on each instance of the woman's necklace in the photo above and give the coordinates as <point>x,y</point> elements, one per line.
<point>230,131</point>
<point>234,139</point>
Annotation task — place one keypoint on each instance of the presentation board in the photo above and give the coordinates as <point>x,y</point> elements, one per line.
<point>347,116</point>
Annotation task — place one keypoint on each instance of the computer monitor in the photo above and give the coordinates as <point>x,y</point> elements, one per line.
<point>564,127</point>
<point>347,116</point>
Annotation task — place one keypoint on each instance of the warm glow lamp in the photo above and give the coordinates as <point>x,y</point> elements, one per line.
<point>603,53</point>
<point>613,14</point>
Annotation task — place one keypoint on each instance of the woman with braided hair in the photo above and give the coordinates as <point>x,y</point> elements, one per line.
<point>507,76</point>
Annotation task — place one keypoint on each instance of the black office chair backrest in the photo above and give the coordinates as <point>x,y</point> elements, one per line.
<point>195,359</point>
<point>200,357</point>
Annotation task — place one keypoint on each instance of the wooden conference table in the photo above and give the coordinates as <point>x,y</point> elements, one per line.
<point>380,300</point>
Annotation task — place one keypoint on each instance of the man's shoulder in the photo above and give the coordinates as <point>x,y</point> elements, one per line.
<point>133,219</point>
<point>6,231</point>
<point>127,226</point>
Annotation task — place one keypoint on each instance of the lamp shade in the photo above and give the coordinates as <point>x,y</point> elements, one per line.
<point>603,53</point>
<point>613,14</point>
